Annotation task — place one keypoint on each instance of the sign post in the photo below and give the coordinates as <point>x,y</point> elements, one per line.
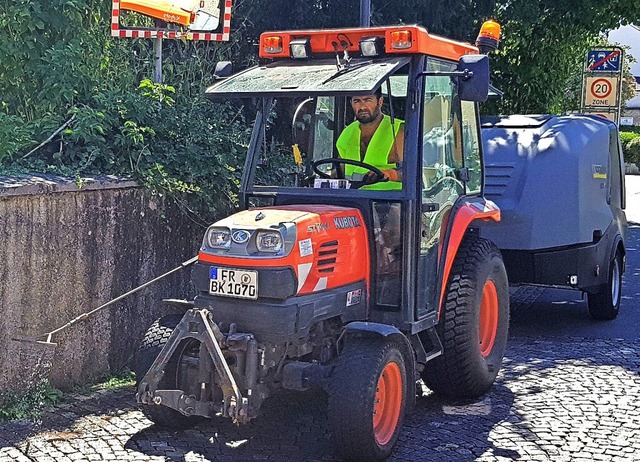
<point>157,51</point>
<point>602,83</point>
<point>365,13</point>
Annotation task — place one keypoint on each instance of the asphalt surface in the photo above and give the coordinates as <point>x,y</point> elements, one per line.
<point>568,391</point>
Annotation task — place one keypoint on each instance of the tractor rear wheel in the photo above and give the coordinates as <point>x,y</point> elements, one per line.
<point>473,324</point>
<point>174,377</point>
<point>367,399</point>
<point>605,304</point>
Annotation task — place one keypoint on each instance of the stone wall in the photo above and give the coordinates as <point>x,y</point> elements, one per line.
<point>66,251</point>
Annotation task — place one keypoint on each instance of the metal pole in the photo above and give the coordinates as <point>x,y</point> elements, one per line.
<point>365,13</point>
<point>157,50</point>
<point>84,316</point>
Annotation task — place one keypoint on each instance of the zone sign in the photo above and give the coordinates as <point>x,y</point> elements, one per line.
<point>601,91</point>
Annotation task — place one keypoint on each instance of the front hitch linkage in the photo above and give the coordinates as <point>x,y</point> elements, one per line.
<point>199,325</point>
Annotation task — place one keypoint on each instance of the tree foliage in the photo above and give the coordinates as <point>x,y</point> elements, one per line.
<point>61,74</point>
<point>60,69</point>
<point>542,54</point>
<point>630,146</point>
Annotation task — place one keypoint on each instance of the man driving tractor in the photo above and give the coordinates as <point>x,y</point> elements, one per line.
<point>373,138</point>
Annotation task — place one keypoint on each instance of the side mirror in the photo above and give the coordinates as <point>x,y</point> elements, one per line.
<point>473,82</point>
<point>223,69</point>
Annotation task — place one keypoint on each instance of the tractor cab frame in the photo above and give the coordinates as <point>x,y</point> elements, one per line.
<point>442,158</point>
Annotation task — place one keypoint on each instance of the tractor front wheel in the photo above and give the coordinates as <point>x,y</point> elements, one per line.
<point>367,399</point>
<point>473,324</point>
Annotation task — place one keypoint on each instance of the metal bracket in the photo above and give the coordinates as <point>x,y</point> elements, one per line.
<point>197,324</point>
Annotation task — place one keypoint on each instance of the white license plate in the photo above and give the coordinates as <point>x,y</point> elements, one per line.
<point>229,282</point>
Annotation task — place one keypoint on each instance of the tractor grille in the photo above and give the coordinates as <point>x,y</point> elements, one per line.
<point>326,257</point>
<point>497,179</point>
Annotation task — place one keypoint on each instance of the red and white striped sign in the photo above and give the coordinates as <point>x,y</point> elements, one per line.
<point>128,32</point>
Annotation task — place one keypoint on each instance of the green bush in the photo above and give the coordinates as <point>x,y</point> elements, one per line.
<point>15,136</point>
<point>75,101</point>
<point>29,404</point>
<point>631,150</point>
<point>626,136</point>
<point>630,146</point>
<point>631,129</point>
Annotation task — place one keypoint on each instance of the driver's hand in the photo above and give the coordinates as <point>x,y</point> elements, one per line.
<point>390,174</point>
<point>371,178</point>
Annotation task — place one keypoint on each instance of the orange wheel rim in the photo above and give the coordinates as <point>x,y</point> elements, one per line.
<point>488,326</point>
<point>388,403</point>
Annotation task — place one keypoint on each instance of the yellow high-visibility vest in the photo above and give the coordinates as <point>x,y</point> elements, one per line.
<point>377,154</point>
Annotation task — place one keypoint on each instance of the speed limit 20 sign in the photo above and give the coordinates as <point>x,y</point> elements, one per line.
<point>601,82</point>
<point>601,91</point>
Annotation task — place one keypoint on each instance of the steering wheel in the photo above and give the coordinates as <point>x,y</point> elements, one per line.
<point>378,175</point>
<point>439,185</point>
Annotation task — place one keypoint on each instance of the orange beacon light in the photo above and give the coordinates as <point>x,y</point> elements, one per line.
<point>489,37</point>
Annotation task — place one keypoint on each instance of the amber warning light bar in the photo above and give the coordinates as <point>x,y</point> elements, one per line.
<point>367,42</point>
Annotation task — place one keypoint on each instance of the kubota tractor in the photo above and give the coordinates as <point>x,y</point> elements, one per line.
<point>331,277</point>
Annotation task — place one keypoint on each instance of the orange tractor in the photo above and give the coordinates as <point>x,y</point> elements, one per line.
<point>334,277</point>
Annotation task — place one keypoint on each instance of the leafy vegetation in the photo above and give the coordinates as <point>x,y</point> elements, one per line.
<point>30,404</point>
<point>124,378</point>
<point>73,100</point>
<point>630,146</point>
<point>540,62</point>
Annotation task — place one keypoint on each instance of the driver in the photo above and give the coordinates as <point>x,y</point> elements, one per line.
<point>373,139</point>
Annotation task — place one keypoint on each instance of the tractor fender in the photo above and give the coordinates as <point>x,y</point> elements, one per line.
<point>388,332</point>
<point>463,214</point>
<point>384,330</point>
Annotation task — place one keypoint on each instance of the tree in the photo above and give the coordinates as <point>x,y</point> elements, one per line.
<point>542,52</point>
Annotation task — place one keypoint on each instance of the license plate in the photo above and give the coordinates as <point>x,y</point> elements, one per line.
<point>229,282</point>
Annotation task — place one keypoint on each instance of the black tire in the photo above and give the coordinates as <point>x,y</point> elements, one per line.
<point>154,340</point>
<point>366,407</point>
<point>473,324</point>
<point>605,304</point>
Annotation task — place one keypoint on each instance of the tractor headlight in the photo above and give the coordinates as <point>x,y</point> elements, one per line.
<point>269,241</point>
<point>372,46</point>
<point>300,48</point>
<point>218,238</point>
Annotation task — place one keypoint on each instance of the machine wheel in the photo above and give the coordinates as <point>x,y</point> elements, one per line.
<point>473,324</point>
<point>605,304</point>
<point>154,340</point>
<point>367,399</point>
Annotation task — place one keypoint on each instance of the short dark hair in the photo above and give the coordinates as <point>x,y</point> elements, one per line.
<point>377,93</point>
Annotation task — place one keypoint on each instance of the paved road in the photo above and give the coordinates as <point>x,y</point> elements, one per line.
<point>568,391</point>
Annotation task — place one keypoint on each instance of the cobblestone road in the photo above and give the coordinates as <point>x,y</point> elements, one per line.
<point>570,400</point>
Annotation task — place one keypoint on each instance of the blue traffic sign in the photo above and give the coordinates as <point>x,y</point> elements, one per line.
<point>604,60</point>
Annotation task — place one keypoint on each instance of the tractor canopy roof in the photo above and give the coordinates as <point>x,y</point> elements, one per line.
<point>334,62</point>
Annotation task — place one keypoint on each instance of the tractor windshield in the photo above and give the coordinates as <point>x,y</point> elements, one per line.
<point>303,78</point>
<point>305,112</point>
